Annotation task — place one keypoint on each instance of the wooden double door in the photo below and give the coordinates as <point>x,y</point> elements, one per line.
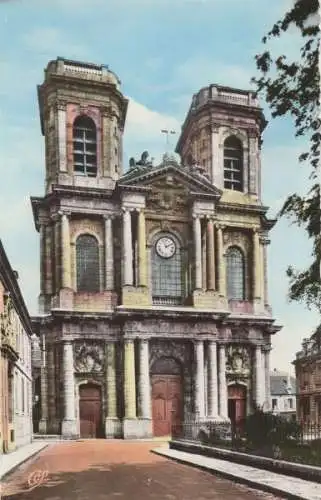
<point>237,405</point>
<point>167,404</point>
<point>90,411</point>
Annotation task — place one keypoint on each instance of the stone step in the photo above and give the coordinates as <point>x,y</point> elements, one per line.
<point>47,437</point>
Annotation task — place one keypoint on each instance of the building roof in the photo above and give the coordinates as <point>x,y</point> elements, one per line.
<point>279,382</point>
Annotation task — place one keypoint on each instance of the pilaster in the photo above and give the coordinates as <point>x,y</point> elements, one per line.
<point>267,369</point>
<point>62,137</point>
<point>221,262</point>
<point>43,423</point>
<point>210,256</point>
<point>65,250</point>
<point>197,251</point>
<point>109,254</point>
<point>129,423</point>
<point>127,248</point>
<point>145,420</point>
<point>256,273</point>
<point>223,410</point>
<point>142,263</point>
<point>199,380</point>
<point>69,424</point>
<point>259,380</point>
<point>112,423</point>
<point>212,380</point>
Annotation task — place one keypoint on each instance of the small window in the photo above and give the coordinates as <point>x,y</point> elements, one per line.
<point>85,146</point>
<point>274,403</point>
<point>235,274</point>
<point>87,256</point>
<point>290,403</point>
<point>233,164</point>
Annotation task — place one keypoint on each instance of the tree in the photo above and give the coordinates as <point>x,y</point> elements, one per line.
<point>292,88</point>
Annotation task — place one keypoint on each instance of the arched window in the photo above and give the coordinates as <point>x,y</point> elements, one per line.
<point>235,275</point>
<point>85,146</point>
<point>233,164</point>
<point>167,286</point>
<point>87,261</point>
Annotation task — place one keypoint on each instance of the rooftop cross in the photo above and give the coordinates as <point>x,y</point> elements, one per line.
<point>168,133</point>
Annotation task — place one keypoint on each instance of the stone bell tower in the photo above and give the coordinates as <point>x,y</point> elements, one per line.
<point>82,114</point>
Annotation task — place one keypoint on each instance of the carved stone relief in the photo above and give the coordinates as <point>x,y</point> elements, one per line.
<point>89,357</point>
<point>238,361</point>
<point>166,195</point>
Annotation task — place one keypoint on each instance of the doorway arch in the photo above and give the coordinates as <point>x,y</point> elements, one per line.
<point>90,408</point>
<point>167,396</point>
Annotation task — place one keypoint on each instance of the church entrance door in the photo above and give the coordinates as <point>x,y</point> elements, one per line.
<point>237,405</point>
<point>166,404</point>
<point>90,411</point>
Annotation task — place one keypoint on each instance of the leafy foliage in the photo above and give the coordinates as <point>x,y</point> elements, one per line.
<point>292,88</point>
<point>266,429</point>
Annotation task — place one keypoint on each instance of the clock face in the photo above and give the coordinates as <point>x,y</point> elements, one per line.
<point>165,247</point>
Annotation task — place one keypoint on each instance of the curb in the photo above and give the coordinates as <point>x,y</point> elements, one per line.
<point>236,479</point>
<point>23,461</point>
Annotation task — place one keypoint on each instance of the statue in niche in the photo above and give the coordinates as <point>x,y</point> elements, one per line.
<point>88,358</point>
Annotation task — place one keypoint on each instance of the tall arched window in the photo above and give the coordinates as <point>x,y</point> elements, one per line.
<point>233,164</point>
<point>87,262</point>
<point>85,146</point>
<point>167,286</point>
<point>235,275</point>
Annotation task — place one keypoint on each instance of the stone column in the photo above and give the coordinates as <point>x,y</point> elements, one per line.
<point>48,260</point>
<point>65,252</point>
<point>112,426</point>
<point>217,168</point>
<point>144,389</point>
<point>62,137</point>
<point>265,272</point>
<point>127,248</point>
<point>56,253</point>
<point>42,231</point>
<point>69,427</point>
<point>198,251</point>
<point>51,389</point>
<point>212,380</point>
<point>222,382</point>
<point>256,273</point>
<point>142,261</point>
<point>204,255</point>
<point>221,262</point>
<point>129,379</point>
<point>210,256</point>
<point>199,380</point>
<point>109,254</point>
<point>267,351</point>
<point>43,423</point>
<point>259,381</point>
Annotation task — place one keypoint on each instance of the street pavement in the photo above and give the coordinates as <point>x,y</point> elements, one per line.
<point>110,469</point>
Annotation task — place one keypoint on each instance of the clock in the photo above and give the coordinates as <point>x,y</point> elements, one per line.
<point>165,247</point>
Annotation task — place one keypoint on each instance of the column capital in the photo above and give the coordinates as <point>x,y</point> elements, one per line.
<point>196,216</point>
<point>220,226</point>
<point>64,213</point>
<point>108,216</point>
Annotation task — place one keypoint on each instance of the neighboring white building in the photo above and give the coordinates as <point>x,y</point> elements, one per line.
<point>15,362</point>
<point>283,393</point>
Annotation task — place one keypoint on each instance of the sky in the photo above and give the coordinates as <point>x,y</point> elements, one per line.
<point>163,51</point>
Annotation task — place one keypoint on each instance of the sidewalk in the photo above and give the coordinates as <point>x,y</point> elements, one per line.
<point>9,461</point>
<point>277,484</point>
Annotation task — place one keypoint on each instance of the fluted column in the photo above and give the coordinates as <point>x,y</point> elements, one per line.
<point>259,380</point>
<point>109,254</point>
<point>222,382</point>
<point>65,252</point>
<point>221,262</point>
<point>129,379</point>
<point>210,256</point>
<point>111,380</point>
<point>256,265</point>
<point>212,380</point>
<point>199,379</point>
<point>127,248</point>
<point>142,262</point>
<point>198,251</point>
<point>144,380</point>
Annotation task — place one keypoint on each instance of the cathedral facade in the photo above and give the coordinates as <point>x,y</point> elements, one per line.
<point>153,303</point>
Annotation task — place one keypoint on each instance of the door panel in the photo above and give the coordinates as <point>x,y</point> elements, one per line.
<point>89,411</point>
<point>166,403</point>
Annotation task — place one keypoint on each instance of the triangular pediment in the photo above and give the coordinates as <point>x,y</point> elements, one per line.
<point>173,175</point>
